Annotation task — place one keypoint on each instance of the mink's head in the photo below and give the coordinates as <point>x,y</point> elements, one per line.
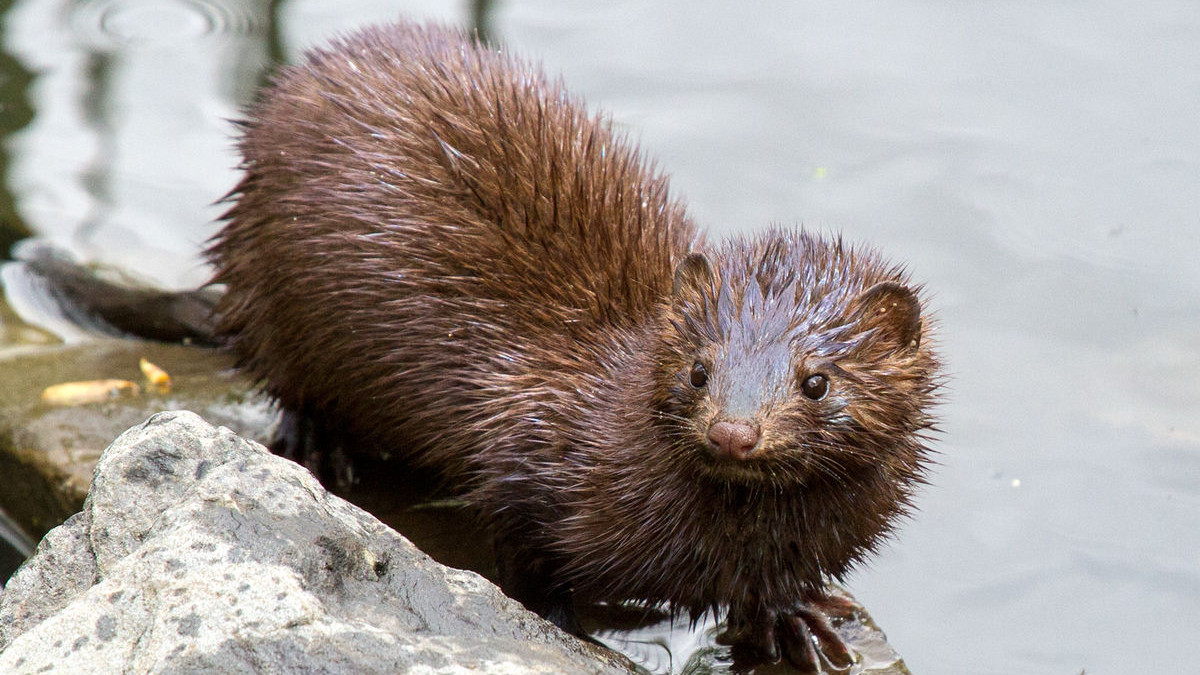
<point>794,360</point>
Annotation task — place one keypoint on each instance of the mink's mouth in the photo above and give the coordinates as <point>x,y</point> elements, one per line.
<point>731,469</point>
<point>765,466</point>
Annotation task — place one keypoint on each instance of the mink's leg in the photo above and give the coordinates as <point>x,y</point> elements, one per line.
<point>531,577</point>
<point>306,440</point>
<point>800,634</point>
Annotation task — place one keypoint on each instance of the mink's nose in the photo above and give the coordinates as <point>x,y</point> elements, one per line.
<point>733,440</point>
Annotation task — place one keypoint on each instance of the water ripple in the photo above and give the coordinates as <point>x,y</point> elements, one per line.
<point>124,24</point>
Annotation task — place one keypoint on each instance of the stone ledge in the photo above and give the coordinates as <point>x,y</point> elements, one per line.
<point>199,551</point>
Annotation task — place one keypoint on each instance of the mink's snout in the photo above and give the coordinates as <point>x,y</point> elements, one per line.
<point>733,440</point>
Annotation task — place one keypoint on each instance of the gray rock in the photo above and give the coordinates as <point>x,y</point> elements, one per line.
<point>199,551</point>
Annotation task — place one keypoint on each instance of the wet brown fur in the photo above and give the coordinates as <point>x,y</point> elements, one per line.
<point>437,251</point>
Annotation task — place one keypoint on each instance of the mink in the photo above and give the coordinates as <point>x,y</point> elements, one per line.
<point>436,252</point>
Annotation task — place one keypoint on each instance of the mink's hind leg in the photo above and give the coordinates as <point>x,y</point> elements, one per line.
<point>531,577</point>
<point>311,443</point>
<point>801,635</point>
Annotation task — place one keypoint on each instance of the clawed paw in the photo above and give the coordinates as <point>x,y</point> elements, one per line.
<point>803,636</point>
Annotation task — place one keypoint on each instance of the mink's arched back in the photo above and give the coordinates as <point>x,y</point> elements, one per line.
<point>467,196</point>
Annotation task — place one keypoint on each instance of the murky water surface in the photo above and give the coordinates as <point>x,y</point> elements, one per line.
<point>1037,165</point>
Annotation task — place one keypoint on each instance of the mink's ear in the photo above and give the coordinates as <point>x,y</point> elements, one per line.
<point>893,311</point>
<point>693,275</point>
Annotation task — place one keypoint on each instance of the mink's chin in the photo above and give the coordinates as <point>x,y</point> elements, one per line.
<point>734,471</point>
<point>762,467</point>
<point>781,467</point>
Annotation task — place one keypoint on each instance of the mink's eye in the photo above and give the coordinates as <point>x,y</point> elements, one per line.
<point>698,376</point>
<point>815,386</point>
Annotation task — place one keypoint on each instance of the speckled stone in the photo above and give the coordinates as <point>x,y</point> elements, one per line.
<point>199,551</point>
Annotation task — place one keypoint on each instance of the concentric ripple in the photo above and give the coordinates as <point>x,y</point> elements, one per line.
<point>124,24</point>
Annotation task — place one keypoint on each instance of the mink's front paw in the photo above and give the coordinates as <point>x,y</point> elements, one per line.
<point>802,635</point>
<point>305,439</point>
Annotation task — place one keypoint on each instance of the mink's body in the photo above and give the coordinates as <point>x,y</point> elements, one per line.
<point>435,252</point>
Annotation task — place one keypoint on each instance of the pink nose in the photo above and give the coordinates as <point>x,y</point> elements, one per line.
<point>732,439</point>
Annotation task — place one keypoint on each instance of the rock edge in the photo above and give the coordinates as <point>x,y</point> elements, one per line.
<point>199,551</point>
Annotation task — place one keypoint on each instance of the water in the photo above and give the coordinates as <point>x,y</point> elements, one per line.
<point>1037,165</point>
<point>15,547</point>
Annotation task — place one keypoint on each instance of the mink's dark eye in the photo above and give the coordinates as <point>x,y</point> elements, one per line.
<point>815,386</point>
<point>698,376</point>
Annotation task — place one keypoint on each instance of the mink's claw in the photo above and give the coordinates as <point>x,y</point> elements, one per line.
<point>803,636</point>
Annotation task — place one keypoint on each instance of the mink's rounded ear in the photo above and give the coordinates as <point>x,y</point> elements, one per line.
<point>693,275</point>
<point>893,311</point>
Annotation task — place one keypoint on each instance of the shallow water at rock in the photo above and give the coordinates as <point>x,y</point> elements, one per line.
<point>1035,164</point>
<point>15,546</point>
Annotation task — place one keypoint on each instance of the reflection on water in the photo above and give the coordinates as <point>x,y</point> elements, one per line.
<point>1036,164</point>
<point>15,113</point>
<point>15,546</point>
<point>131,145</point>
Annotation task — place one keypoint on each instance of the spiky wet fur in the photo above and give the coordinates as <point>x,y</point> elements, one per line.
<point>437,252</point>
